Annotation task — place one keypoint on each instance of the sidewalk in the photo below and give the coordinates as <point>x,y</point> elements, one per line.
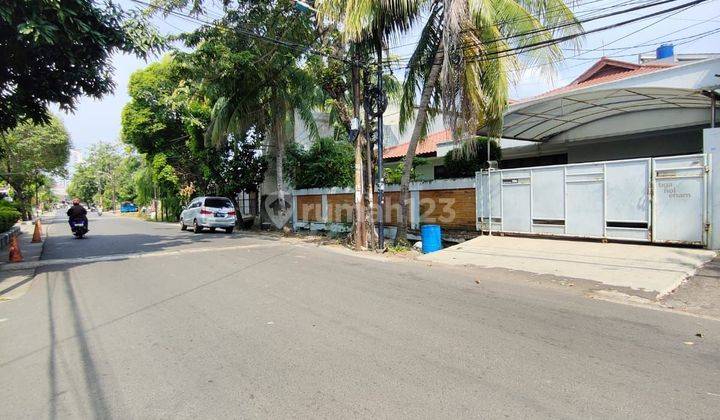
<point>15,283</point>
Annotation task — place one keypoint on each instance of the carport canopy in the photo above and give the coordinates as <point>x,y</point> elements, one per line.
<point>684,87</point>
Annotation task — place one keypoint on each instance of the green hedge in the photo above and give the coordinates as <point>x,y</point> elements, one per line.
<point>8,205</point>
<point>8,218</point>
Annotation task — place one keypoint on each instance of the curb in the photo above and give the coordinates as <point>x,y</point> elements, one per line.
<point>5,236</point>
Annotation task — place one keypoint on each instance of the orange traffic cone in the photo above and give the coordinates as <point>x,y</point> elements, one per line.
<point>37,234</point>
<point>15,254</point>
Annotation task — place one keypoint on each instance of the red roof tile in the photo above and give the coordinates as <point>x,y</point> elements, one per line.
<point>427,146</point>
<point>605,70</point>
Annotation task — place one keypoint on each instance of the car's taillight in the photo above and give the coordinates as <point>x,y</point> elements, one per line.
<point>203,210</point>
<point>231,213</point>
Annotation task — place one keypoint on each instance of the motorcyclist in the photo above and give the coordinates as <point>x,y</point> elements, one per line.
<point>77,212</point>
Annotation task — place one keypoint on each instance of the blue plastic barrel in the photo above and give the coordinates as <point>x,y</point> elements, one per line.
<point>431,238</point>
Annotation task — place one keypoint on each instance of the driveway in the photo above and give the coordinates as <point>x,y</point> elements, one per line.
<point>654,270</point>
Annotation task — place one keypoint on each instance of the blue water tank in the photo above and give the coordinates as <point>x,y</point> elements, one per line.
<point>664,51</point>
<point>431,238</point>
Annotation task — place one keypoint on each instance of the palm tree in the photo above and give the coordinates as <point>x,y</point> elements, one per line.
<point>463,63</point>
<point>364,24</point>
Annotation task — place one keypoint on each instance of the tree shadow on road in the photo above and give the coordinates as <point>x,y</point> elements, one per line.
<point>94,393</point>
<point>65,246</point>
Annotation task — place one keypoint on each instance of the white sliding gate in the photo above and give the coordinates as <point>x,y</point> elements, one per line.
<point>652,200</point>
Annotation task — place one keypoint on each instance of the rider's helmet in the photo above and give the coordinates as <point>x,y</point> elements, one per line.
<point>76,201</point>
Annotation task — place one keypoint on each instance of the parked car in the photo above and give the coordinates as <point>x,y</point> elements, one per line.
<point>128,208</point>
<point>209,212</point>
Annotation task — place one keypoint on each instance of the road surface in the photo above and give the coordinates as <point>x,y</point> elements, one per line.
<point>220,326</point>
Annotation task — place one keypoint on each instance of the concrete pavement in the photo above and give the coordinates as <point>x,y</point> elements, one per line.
<point>295,330</point>
<point>657,270</point>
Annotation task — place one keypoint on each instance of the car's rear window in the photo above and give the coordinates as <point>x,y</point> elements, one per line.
<point>218,202</point>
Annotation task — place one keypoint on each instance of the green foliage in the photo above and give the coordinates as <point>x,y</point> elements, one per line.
<point>29,153</point>
<point>144,187</point>
<point>9,205</point>
<point>470,157</point>
<point>252,84</point>
<point>393,174</point>
<point>107,175</point>
<point>155,118</point>
<point>164,176</point>
<point>57,51</point>
<point>8,217</point>
<point>398,249</point>
<point>83,184</point>
<point>240,166</point>
<point>327,163</point>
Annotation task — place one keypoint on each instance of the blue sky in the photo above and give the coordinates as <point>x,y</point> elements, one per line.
<point>99,120</point>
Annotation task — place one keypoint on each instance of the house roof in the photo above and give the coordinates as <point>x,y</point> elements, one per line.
<point>612,88</point>
<point>426,147</point>
<point>539,117</point>
<point>603,71</point>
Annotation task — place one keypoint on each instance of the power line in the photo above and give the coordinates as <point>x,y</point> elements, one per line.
<point>544,43</point>
<point>578,22</point>
<point>303,48</point>
<point>545,12</point>
<point>552,41</point>
<point>561,24</point>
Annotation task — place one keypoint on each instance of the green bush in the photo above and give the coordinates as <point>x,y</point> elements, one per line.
<point>470,157</point>
<point>393,174</point>
<point>328,163</point>
<point>8,217</point>
<point>8,205</point>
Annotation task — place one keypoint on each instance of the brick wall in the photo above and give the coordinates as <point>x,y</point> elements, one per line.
<point>309,208</point>
<point>391,209</point>
<point>340,207</point>
<point>453,209</point>
<point>449,203</point>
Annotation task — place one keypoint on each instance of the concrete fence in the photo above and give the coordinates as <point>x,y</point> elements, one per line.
<point>449,203</point>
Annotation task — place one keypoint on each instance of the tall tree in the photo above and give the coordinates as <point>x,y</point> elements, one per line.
<point>255,85</point>
<point>463,64</point>
<point>30,151</point>
<point>57,51</point>
<point>364,25</point>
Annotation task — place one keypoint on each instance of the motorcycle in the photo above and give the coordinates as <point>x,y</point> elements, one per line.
<point>79,228</point>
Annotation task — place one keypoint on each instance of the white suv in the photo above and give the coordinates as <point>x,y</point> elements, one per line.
<point>210,212</point>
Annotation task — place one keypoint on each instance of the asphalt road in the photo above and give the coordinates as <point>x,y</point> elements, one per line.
<point>266,328</point>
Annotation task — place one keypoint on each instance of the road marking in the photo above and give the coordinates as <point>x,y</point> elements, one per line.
<point>130,256</point>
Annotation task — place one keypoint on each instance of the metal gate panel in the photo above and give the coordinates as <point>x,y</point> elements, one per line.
<point>649,199</point>
<point>584,198</point>
<point>679,198</point>
<point>489,200</point>
<point>627,185</point>
<point>516,204</point>
<point>548,200</point>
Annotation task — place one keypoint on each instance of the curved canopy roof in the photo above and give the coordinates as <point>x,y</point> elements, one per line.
<point>645,89</point>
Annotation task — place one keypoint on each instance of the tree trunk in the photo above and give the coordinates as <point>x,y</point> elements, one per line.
<point>279,132</point>
<point>359,232</point>
<point>430,81</point>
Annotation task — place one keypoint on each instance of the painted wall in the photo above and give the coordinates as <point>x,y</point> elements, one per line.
<point>637,146</point>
